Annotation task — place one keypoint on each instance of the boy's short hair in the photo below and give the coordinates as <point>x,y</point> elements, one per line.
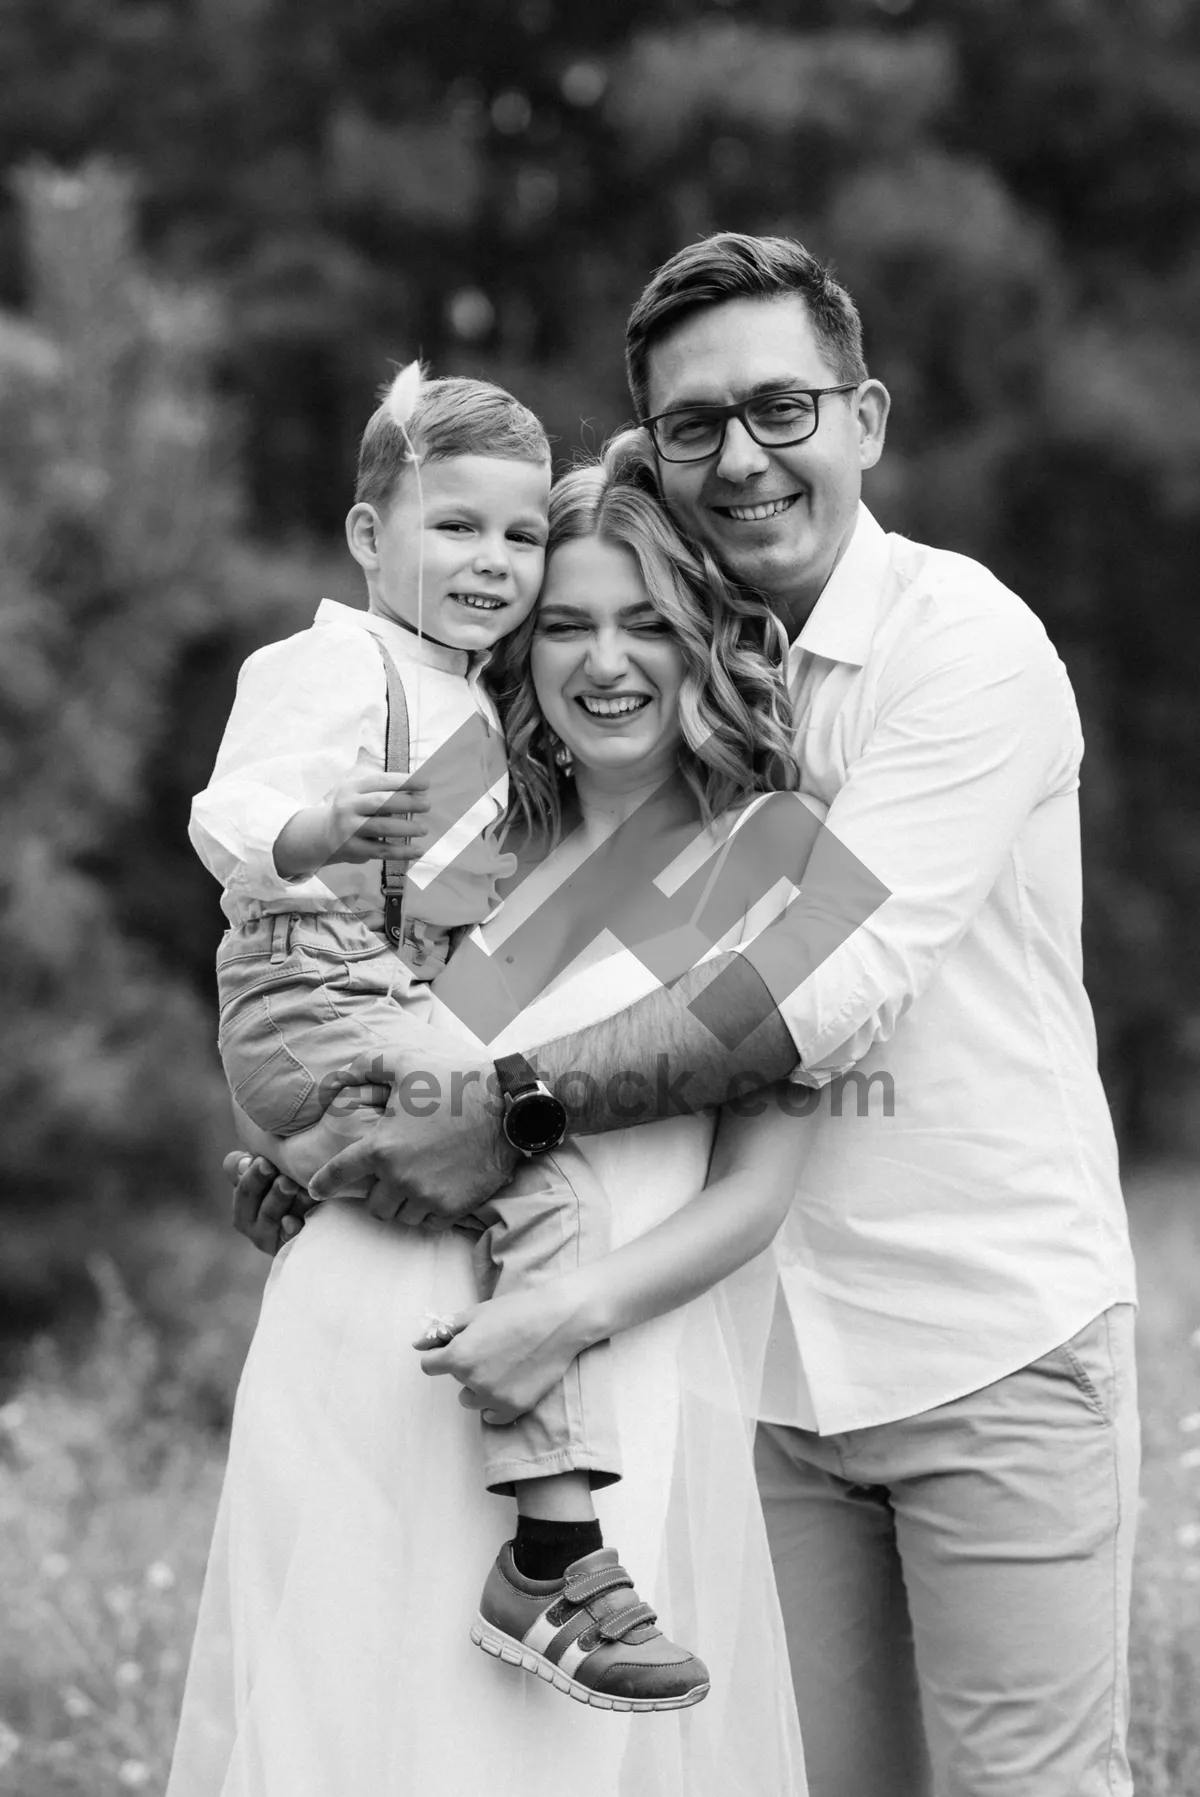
<point>731,266</point>
<point>453,416</point>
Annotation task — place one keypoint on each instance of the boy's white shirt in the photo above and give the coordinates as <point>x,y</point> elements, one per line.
<point>307,711</point>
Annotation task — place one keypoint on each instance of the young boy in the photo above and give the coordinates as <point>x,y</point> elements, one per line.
<point>331,944</point>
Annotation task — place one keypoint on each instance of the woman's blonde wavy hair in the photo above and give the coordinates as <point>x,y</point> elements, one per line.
<point>733,704</point>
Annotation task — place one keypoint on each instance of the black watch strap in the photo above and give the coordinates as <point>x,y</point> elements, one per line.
<point>515,1075</point>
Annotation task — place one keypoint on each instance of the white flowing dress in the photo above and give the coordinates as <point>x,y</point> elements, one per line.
<point>332,1655</point>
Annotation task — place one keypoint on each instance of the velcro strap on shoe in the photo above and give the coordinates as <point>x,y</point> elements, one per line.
<point>583,1589</point>
<point>579,1625</point>
<point>615,1628</point>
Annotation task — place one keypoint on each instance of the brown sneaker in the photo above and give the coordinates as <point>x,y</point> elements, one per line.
<point>587,1634</point>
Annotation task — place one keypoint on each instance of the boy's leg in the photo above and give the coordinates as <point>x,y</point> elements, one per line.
<point>301,996</point>
<point>552,1218</point>
<point>557,1601</point>
<point>557,1524</point>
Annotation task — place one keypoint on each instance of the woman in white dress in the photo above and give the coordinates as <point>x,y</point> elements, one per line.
<point>333,1656</point>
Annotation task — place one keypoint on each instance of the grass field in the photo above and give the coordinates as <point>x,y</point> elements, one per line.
<point>1165,1215</point>
<point>109,1479</point>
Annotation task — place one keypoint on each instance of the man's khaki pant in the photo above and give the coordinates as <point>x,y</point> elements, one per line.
<point>956,1585</point>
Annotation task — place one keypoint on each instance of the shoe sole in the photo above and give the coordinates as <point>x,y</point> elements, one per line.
<point>504,1647</point>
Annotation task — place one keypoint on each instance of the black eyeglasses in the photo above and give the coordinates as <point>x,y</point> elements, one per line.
<point>773,420</point>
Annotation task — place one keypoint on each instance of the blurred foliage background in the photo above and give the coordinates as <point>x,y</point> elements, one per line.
<point>222,221</point>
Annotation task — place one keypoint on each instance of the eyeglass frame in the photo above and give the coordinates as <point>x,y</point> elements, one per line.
<point>738,410</point>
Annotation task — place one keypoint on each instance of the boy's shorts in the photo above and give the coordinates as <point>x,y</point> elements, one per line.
<point>301,995</point>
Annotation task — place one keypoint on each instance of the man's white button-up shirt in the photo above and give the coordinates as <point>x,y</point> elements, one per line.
<point>958,1211</point>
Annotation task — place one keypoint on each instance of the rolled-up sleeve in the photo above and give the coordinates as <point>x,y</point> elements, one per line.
<point>974,726</point>
<point>296,729</point>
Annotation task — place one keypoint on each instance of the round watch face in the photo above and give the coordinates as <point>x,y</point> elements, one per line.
<point>535,1122</point>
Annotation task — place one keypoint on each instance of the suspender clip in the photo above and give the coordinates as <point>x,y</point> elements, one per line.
<point>393,918</point>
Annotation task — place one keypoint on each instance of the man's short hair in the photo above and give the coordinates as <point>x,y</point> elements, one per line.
<point>453,416</point>
<point>732,266</point>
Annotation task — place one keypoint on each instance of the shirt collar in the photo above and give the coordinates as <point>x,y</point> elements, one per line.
<point>403,644</point>
<point>842,622</point>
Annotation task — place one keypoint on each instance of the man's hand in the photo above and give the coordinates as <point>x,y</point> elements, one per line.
<point>368,818</point>
<point>438,1152</point>
<point>268,1209</point>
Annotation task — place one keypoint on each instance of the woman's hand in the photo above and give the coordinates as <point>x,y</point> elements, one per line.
<point>508,1352</point>
<point>268,1208</point>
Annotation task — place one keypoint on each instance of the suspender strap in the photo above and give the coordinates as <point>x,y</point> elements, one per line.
<point>396,761</point>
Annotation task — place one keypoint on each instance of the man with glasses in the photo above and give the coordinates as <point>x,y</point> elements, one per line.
<point>948,1456</point>
<point>948,1447</point>
<point>776,419</point>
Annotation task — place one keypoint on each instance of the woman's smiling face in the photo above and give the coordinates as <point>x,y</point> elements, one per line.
<point>606,667</point>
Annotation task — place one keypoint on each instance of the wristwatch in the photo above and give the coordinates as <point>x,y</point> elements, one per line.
<point>534,1119</point>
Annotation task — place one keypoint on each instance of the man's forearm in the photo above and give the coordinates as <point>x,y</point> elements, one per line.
<point>713,1036</point>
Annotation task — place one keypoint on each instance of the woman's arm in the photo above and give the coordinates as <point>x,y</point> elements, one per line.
<point>751,1181</point>
<point>510,1351</point>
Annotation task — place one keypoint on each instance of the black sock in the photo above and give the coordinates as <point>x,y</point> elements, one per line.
<point>544,1550</point>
